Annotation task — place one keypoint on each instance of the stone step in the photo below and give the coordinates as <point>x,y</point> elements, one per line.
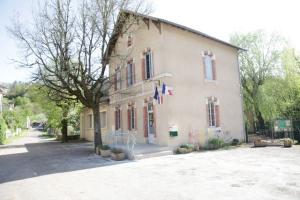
<point>153,154</point>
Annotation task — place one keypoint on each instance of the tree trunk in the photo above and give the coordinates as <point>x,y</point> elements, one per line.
<point>260,119</point>
<point>64,130</point>
<point>97,126</point>
<point>64,125</point>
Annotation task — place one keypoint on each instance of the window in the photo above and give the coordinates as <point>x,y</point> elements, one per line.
<point>103,119</point>
<point>130,73</point>
<point>148,65</point>
<point>209,66</point>
<point>131,117</point>
<point>129,40</point>
<point>118,118</point>
<point>213,112</point>
<point>117,78</point>
<point>90,120</point>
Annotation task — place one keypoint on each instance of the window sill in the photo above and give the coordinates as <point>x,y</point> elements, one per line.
<point>210,81</point>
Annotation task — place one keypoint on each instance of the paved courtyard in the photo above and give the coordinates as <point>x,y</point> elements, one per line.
<point>51,170</point>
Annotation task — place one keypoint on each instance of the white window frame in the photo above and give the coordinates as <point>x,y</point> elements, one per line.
<point>101,118</point>
<point>130,74</point>
<point>212,113</point>
<point>118,127</point>
<point>208,62</point>
<point>90,120</point>
<point>132,118</point>
<point>148,53</point>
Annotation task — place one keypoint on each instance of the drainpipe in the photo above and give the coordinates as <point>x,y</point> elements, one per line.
<point>242,98</point>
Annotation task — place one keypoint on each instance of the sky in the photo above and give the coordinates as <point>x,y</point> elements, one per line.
<point>218,18</point>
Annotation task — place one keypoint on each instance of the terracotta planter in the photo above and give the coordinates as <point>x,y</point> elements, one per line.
<point>118,156</point>
<point>260,143</point>
<point>287,143</point>
<point>105,153</point>
<point>184,150</point>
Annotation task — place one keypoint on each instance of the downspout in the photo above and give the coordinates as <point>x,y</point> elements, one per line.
<point>242,97</point>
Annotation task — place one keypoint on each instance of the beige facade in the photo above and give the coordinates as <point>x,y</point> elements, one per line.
<point>178,60</point>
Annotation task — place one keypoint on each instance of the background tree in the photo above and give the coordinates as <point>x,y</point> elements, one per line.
<point>260,62</point>
<point>57,108</point>
<point>70,47</point>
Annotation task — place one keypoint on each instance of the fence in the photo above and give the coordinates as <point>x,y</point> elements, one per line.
<point>269,133</point>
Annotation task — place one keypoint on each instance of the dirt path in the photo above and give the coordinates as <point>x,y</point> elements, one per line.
<point>31,137</point>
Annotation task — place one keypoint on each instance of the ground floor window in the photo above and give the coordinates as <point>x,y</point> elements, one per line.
<point>90,120</point>
<point>131,117</point>
<point>103,119</point>
<point>213,112</point>
<point>118,118</point>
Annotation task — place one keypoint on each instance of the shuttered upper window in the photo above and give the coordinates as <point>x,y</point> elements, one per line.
<point>147,65</point>
<point>209,66</point>
<point>130,73</point>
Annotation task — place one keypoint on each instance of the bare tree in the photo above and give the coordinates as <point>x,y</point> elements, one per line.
<point>70,49</point>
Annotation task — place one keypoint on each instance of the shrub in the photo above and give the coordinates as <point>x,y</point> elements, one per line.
<point>235,142</point>
<point>3,129</point>
<point>105,147</point>
<point>187,146</point>
<point>215,143</point>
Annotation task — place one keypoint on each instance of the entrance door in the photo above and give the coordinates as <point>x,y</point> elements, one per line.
<point>151,128</point>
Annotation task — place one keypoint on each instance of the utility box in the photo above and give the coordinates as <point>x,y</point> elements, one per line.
<point>173,131</point>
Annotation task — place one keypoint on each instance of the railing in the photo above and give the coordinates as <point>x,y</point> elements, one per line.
<point>118,138</point>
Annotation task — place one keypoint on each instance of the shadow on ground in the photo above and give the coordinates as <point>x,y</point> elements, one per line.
<point>39,159</point>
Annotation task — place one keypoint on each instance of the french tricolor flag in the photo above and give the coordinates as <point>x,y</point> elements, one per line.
<point>167,90</point>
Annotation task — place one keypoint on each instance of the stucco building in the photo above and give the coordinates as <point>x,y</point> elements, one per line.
<point>202,71</point>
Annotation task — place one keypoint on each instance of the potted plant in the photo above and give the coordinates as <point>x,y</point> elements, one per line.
<point>235,142</point>
<point>185,148</point>
<point>287,142</point>
<point>117,154</point>
<point>105,151</point>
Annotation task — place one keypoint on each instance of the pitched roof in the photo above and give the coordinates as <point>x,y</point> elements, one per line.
<point>181,27</point>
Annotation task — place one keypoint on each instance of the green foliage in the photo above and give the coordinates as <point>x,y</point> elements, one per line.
<point>21,101</point>
<point>17,89</point>
<point>215,143</point>
<point>3,129</point>
<point>187,146</point>
<point>260,63</point>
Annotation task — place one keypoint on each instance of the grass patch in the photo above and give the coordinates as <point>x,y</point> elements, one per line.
<point>15,137</point>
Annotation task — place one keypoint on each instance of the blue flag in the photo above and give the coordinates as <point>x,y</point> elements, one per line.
<point>156,94</point>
